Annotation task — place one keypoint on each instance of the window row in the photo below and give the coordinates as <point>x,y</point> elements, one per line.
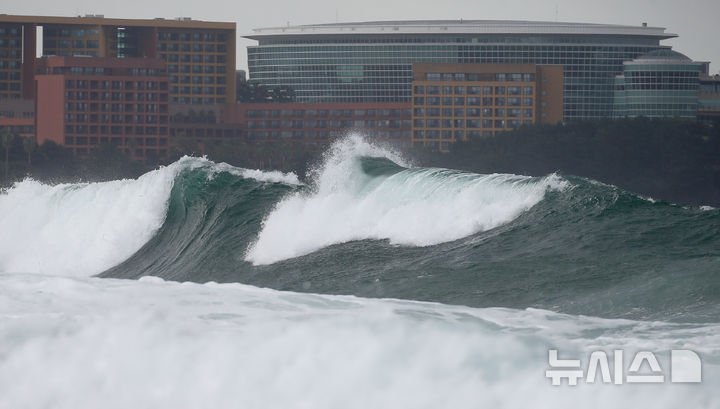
<point>105,107</point>
<point>13,86</point>
<point>13,53</point>
<point>114,130</point>
<point>66,32</point>
<point>71,44</point>
<point>116,85</point>
<point>116,96</point>
<point>196,100</point>
<point>287,124</point>
<point>196,79</point>
<point>323,113</point>
<point>195,69</point>
<point>169,36</point>
<point>12,32</point>
<point>313,134</point>
<point>472,101</point>
<point>198,90</point>
<point>196,48</point>
<point>462,112</point>
<point>435,76</point>
<point>10,43</point>
<point>12,75</point>
<point>117,119</point>
<point>12,65</point>
<point>474,90</point>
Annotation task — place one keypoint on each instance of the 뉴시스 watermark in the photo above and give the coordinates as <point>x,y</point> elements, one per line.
<point>685,367</point>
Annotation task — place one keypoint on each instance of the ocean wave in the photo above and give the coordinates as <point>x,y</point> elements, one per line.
<point>412,206</point>
<point>270,176</point>
<point>85,228</point>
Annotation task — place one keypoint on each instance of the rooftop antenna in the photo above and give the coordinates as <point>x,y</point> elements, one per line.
<point>556,12</point>
<point>337,16</point>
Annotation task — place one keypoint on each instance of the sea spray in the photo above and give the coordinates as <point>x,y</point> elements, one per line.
<point>85,228</point>
<point>588,249</point>
<point>412,206</point>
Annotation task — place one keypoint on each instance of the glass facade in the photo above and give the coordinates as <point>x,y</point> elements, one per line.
<point>10,61</point>
<point>660,84</point>
<point>376,67</point>
<point>200,55</point>
<point>68,41</point>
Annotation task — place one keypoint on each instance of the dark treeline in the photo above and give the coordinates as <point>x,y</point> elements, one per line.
<point>51,163</point>
<point>668,159</point>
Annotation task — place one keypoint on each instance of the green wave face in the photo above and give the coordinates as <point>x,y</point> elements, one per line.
<point>560,243</point>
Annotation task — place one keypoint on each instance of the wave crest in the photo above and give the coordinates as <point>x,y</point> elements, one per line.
<point>82,229</point>
<point>410,206</point>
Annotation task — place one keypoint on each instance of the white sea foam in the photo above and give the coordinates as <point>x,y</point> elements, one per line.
<point>80,229</point>
<point>270,176</point>
<point>86,342</point>
<point>86,228</point>
<point>415,207</point>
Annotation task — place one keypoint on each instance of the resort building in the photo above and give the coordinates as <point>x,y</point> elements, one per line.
<point>457,102</point>
<point>84,102</point>
<point>662,83</point>
<point>709,98</point>
<point>321,122</point>
<point>372,61</point>
<point>200,55</point>
<point>146,85</point>
<point>18,117</point>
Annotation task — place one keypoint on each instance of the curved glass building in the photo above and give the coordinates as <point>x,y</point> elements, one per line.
<point>661,83</point>
<point>372,61</point>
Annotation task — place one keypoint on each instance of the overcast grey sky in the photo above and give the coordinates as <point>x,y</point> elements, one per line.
<point>697,22</point>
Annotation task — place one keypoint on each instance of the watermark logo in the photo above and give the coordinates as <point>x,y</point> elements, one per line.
<point>685,367</point>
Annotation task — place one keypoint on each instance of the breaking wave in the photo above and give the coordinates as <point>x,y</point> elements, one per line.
<point>85,228</point>
<point>368,223</point>
<point>360,194</point>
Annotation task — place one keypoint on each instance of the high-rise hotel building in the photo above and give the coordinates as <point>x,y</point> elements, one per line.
<point>459,102</point>
<point>200,55</point>
<point>85,102</point>
<point>372,61</point>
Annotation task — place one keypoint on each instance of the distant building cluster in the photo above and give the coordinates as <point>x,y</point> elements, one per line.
<point>146,85</point>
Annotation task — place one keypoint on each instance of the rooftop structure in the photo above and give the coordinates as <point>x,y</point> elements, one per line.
<point>471,27</point>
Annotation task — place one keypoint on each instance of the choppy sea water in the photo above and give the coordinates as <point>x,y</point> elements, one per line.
<point>374,284</point>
